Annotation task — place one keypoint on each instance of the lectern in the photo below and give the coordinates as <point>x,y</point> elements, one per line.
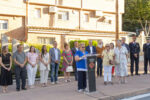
<point>91,80</point>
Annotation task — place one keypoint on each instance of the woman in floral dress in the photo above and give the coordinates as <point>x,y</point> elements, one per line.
<point>121,56</point>
<point>67,61</point>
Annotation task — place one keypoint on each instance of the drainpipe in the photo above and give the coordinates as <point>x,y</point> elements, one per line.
<point>26,21</point>
<point>117,20</point>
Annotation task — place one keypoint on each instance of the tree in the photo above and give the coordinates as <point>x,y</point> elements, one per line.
<point>137,15</point>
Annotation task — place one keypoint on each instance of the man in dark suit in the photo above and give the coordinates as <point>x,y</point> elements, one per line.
<point>74,50</point>
<point>146,50</point>
<point>91,49</point>
<point>134,55</point>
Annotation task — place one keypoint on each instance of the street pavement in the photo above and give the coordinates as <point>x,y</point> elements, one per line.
<point>68,91</point>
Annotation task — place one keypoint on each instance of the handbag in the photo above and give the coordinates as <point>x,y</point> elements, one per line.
<point>117,61</point>
<point>111,62</point>
<point>69,69</point>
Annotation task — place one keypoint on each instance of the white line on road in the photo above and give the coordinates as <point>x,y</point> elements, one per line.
<point>138,97</point>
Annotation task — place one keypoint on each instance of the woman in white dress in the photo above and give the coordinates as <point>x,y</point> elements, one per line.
<point>44,66</point>
<point>121,56</point>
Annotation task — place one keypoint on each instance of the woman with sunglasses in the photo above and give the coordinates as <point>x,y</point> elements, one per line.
<point>80,58</point>
<point>107,62</point>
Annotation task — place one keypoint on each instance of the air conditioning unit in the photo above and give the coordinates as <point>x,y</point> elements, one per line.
<point>52,9</point>
<point>99,13</point>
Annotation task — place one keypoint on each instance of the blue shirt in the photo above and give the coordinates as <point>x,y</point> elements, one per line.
<point>81,64</point>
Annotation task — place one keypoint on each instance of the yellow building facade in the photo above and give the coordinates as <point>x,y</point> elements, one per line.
<point>44,21</point>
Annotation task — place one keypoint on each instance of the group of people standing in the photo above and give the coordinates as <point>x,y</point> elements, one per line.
<point>26,65</point>
<point>113,59</point>
<point>110,59</point>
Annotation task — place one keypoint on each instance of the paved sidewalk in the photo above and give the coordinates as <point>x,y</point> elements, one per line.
<point>67,91</point>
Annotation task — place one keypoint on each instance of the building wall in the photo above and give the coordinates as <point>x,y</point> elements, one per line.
<point>34,21</point>
<point>73,21</point>
<point>52,2</point>
<point>72,3</point>
<point>13,7</point>
<point>15,12</point>
<point>67,38</point>
<point>34,37</point>
<point>16,26</point>
<point>103,5</point>
<point>94,24</point>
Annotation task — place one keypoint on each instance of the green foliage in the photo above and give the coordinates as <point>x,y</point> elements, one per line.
<point>10,48</point>
<point>39,46</point>
<point>82,41</point>
<point>136,13</point>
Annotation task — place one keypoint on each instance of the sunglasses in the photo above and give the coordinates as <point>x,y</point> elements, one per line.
<point>83,47</point>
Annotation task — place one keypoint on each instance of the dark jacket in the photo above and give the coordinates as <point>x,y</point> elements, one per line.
<point>52,54</point>
<point>88,49</point>
<point>134,48</point>
<point>73,53</point>
<point>146,50</point>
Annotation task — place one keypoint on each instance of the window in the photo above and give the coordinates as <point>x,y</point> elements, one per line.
<point>38,13</point>
<point>86,17</point>
<point>63,15</point>
<point>60,2</point>
<point>3,24</point>
<point>46,40</point>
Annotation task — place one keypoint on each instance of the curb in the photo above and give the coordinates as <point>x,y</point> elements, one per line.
<point>125,94</point>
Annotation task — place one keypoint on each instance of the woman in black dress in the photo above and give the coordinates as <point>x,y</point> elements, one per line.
<point>6,63</point>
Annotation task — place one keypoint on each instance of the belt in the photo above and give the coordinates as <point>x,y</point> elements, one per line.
<point>7,64</point>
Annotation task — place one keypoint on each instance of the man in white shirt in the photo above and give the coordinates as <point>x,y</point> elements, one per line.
<point>91,49</point>
<point>55,61</point>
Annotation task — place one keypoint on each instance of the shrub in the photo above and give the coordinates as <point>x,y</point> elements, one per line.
<point>82,41</point>
<point>39,46</point>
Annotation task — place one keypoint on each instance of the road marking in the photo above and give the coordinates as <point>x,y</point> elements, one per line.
<point>137,97</point>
